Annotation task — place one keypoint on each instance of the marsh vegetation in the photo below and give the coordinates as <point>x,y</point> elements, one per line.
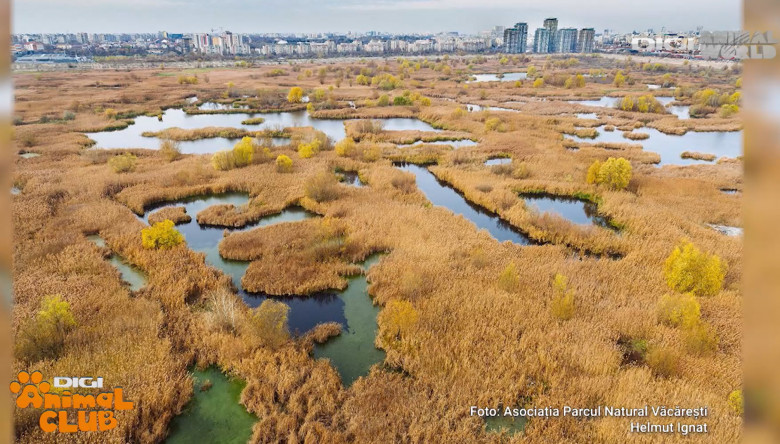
<point>587,267</point>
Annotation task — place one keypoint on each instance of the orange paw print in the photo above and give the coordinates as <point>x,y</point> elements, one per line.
<point>30,394</point>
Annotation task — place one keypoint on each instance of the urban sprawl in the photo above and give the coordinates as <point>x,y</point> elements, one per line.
<point>83,47</point>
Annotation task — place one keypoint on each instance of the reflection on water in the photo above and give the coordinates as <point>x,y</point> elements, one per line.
<point>682,112</point>
<point>350,178</point>
<point>442,195</point>
<point>507,77</point>
<point>305,311</point>
<point>670,147</point>
<point>574,210</point>
<point>214,106</point>
<point>130,137</point>
<point>353,352</point>
<point>471,107</point>
<point>499,161</point>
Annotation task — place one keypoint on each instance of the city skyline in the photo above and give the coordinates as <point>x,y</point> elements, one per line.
<point>387,16</point>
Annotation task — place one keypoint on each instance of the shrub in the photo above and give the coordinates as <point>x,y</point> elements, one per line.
<point>614,172</point>
<point>736,402</point>
<point>643,104</point>
<point>619,80</point>
<point>223,161</point>
<point>384,100</point>
<point>538,83</point>
<point>494,124</point>
<point>187,80</point>
<point>295,95</point>
<point>322,187</point>
<point>402,101</point>
<point>563,298</point>
<point>728,110</point>
<point>161,235</point>
<point>679,310</point>
<point>318,95</point>
<point>593,173</point>
<point>225,309</point>
<point>307,150</point>
<point>663,362</point>
<point>122,163</point>
<point>284,164</point>
<point>403,182</point>
<point>345,147</point>
<point>44,336</point>
<point>169,150</point>
<point>396,321</point>
<point>509,279</point>
<point>459,112</point>
<point>687,269</point>
<point>369,126</point>
<point>700,339</point>
<point>110,113</point>
<point>268,323</point>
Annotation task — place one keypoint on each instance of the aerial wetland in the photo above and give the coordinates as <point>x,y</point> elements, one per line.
<point>357,250</point>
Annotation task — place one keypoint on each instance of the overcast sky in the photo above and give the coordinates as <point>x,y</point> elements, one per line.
<point>469,16</point>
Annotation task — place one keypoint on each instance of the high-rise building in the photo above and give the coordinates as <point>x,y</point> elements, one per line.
<point>542,41</point>
<point>566,40</point>
<point>516,39</point>
<point>585,40</point>
<point>551,24</point>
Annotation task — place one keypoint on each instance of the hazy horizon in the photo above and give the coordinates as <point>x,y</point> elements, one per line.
<point>392,16</point>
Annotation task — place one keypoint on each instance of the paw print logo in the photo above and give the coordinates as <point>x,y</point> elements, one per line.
<point>31,388</point>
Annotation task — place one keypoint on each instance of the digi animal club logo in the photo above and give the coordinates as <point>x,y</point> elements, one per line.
<point>94,412</point>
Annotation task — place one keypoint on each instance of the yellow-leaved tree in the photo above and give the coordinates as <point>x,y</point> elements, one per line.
<point>395,321</point>
<point>679,310</point>
<point>284,164</point>
<point>295,95</point>
<point>44,336</point>
<point>161,235</point>
<point>562,306</point>
<point>614,173</point>
<point>509,279</point>
<point>688,269</point>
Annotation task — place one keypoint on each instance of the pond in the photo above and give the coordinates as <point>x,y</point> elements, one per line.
<point>305,311</point>
<point>350,178</point>
<point>670,147</point>
<point>15,191</point>
<point>131,137</point>
<point>214,106</point>
<point>213,415</point>
<point>500,423</point>
<point>455,144</point>
<point>727,230</point>
<point>353,352</point>
<point>574,210</point>
<point>682,112</point>
<point>498,161</point>
<point>588,116</point>
<point>442,195</point>
<point>471,107</point>
<point>507,77</point>
<point>28,155</point>
<point>131,275</point>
